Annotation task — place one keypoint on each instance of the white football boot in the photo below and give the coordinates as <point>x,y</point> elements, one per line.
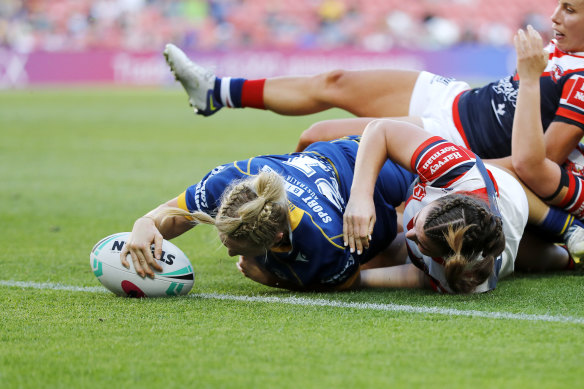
<point>197,81</point>
<point>575,241</point>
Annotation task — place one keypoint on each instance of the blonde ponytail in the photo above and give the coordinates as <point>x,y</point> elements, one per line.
<point>254,209</point>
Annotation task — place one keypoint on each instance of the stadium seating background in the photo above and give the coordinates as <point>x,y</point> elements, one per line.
<point>64,41</point>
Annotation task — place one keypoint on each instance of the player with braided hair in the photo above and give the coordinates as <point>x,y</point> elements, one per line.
<point>254,210</point>
<point>282,214</point>
<point>463,221</point>
<point>481,119</point>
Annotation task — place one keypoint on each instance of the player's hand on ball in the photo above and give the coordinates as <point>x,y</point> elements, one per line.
<point>143,235</point>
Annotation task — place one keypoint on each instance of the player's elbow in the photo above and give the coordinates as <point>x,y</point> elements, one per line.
<point>315,133</point>
<point>527,170</point>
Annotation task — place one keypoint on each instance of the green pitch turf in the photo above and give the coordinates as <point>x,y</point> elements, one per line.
<point>77,165</point>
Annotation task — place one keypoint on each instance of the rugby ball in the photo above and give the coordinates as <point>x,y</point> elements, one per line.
<point>176,278</point>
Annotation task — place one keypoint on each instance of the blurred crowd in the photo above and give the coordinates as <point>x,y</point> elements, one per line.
<point>375,25</point>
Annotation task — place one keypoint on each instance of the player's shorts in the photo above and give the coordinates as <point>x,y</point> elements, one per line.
<point>432,100</point>
<point>514,211</point>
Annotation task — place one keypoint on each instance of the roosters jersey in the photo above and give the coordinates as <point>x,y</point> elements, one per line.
<point>445,168</point>
<point>318,183</point>
<point>484,116</point>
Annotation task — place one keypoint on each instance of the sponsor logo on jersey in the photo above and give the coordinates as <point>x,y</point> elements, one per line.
<point>201,189</point>
<point>442,80</point>
<point>419,192</point>
<point>576,94</point>
<point>437,155</point>
<point>506,89</point>
<point>556,73</point>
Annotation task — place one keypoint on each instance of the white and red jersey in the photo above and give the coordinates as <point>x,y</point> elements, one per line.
<point>446,168</point>
<point>484,116</point>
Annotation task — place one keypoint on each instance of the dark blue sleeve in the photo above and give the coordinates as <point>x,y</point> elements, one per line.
<point>205,196</point>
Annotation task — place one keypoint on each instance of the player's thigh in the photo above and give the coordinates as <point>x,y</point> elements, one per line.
<point>537,254</point>
<point>374,93</point>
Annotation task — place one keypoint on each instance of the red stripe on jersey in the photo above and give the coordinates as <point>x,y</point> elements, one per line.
<point>457,122</point>
<point>421,148</point>
<point>563,112</point>
<point>436,285</point>
<point>433,284</point>
<point>410,224</point>
<point>559,53</point>
<point>252,94</point>
<point>568,87</point>
<point>438,159</point>
<point>439,260</point>
<point>480,193</point>
<point>494,182</point>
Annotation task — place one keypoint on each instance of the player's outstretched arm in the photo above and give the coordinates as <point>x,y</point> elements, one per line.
<point>402,276</point>
<point>382,139</point>
<point>331,129</point>
<point>529,159</point>
<point>150,229</point>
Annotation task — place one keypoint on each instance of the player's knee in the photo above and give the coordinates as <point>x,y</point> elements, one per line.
<point>329,83</point>
<point>334,79</point>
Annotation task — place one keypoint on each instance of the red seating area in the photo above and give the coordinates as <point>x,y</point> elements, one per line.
<point>70,25</point>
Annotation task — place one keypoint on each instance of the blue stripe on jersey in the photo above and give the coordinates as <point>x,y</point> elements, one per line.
<point>452,175</point>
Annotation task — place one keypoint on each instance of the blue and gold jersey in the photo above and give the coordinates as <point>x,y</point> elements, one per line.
<point>318,183</point>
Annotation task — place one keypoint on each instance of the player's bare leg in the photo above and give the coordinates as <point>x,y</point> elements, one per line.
<point>538,255</point>
<point>364,93</point>
<point>375,93</point>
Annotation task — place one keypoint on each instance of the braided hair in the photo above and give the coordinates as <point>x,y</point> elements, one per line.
<point>469,235</point>
<point>254,209</point>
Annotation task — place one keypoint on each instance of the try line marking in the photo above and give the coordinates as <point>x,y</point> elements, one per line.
<point>324,303</point>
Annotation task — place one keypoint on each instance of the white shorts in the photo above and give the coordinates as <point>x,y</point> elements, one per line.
<point>514,211</point>
<point>432,100</point>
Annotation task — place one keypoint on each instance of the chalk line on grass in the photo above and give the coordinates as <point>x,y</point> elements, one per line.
<point>303,301</point>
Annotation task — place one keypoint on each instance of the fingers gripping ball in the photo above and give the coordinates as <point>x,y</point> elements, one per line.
<point>176,278</point>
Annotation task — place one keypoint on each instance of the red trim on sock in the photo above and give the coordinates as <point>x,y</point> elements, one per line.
<point>252,94</point>
<point>571,262</point>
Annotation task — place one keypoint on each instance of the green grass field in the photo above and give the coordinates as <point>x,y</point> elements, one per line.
<point>77,165</point>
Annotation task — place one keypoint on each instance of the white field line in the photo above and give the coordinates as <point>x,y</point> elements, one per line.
<point>324,303</point>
